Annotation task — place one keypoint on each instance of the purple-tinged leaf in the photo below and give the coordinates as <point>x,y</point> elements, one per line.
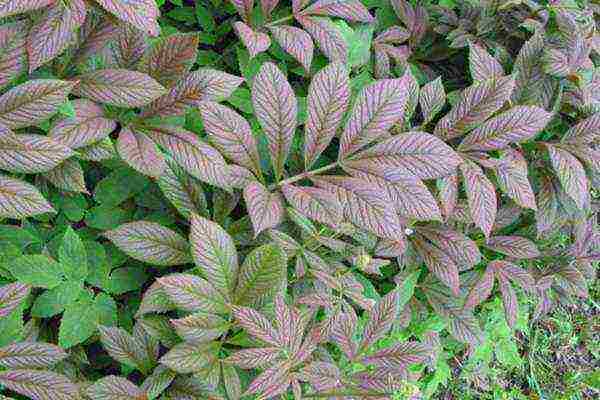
<point>231,381</point>
<point>342,333</point>
<point>214,253</point>
<point>381,319</point>
<point>142,14</point>
<point>30,154</point>
<point>68,176</point>
<point>476,104</point>
<point>323,376</point>
<point>585,132</point>
<point>511,174</point>
<point>398,357</point>
<point>350,10</point>
<point>30,355</point>
<point>481,196</point>
<point>328,98</point>
<point>54,32</point>
<point>155,300</point>
<point>390,248</point>
<point>255,42</point>
<point>13,51</point>
<point>482,65</point>
<point>254,358</point>
<point>267,7</point>
<point>271,383</point>
<point>265,208</point>
<point>171,58</point>
<point>96,33</point>
<point>432,99</point>
<point>12,7</point>
<point>575,281</point>
<point>19,199</point>
<point>547,205</point>
<point>150,242</point>
<point>192,293</point>
<point>448,194</point>
<point>314,203</point>
<point>129,46</point>
<point>140,152</point>
<point>411,197</point>
<point>509,301</point>
<point>239,177</point>
<point>463,251</point>
<point>200,327</point>
<point>514,273</point>
<point>199,159</point>
<point>417,153</point>
<point>190,358</point>
<point>32,102</point>
<point>366,205</point>
<point>263,272</point>
<point>99,151</point>
<point>571,175</point>
<point>119,87</point>
<point>88,126</point>
<point>296,42</point>
<point>39,385</point>
<point>393,35</point>
<point>244,8</point>
<point>513,246</point>
<point>481,290</point>
<point>182,190</point>
<point>115,388</point>
<point>327,36</point>
<point>464,326</point>
<point>154,385</point>
<point>195,87</point>
<point>231,134</point>
<point>276,108</point>
<point>12,295</point>
<point>378,107</point>
<point>439,263</point>
<point>383,63</point>
<point>516,125</point>
<point>256,325</point>
<point>122,346</point>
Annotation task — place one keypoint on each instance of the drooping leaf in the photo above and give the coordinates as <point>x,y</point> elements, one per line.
<point>150,242</point>
<point>571,175</point>
<point>19,199</point>
<point>13,51</point>
<point>513,246</point>
<point>39,385</point>
<point>32,102</point>
<point>296,42</point>
<point>115,388</point>
<point>482,65</point>
<point>255,42</point>
<point>475,105</point>
<point>378,107</point>
<point>140,13</point>
<point>327,36</point>
<point>516,125</point>
<point>231,134</point>
<point>214,253</point>
<point>416,153</point>
<point>276,108</point>
<point>201,85</point>
<point>481,196</point>
<point>30,154</point>
<point>262,273</point>
<point>85,128</point>
<point>264,207</point>
<point>171,58</point>
<point>328,98</point>
<point>119,87</point>
<point>30,355</point>
<point>140,152</point>
<point>192,293</point>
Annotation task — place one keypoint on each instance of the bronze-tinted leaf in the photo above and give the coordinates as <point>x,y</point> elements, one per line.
<point>129,46</point>
<point>328,98</point>
<point>481,196</point>
<point>19,199</point>
<point>511,174</point>
<point>29,154</point>
<point>276,108</point>
<point>192,293</point>
<point>96,33</point>
<point>256,325</point>
<point>265,208</point>
<point>182,190</point>
<point>39,385</point>
<point>296,42</point>
<point>448,194</point>
<point>327,36</point>
<point>68,176</point>
<point>189,358</point>
<point>200,327</point>
<point>140,152</point>
<point>314,203</point>
<point>482,65</point>
<point>13,51</point>
<point>584,132</point>
<point>115,388</point>
<point>510,271</point>
<point>381,318</point>
<point>256,357</point>
<point>571,175</point>
<point>399,356</point>
<point>30,355</point>
<point>255,42</point>
<point>463,251</point>
<point>350,10</point>
<point>513,246</point>
<point>432,98</point>
<point>475,105</point>
<point>481,290</point>
<point>439,263</point>
<point>86,127</point>
<point>171,58</point>
<point>142,14</point>
<point>11,296</point>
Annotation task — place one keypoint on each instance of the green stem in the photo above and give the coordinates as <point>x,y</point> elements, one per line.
<point>280,20</point>
<point>346,394</point>
<point>304,175</point>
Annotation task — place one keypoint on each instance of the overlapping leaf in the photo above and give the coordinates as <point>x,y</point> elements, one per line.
<point>13,7</point>
<point>31,153</point>
<point>296,42</point>
<point>171,58</point>
<point>86,127</point>
<point>481,196</point>
<point>39,385</point>
<point>115,388</point>
<point>265,208</point>
<point>140,152</point>
<point>192,293</point>
<point>30,355</point>
<point>351,10</point>
<point>255,42</point>
<point>19,199</point>
<point>571,175</point>
<point>482,65</point>
<point>13,51</point>
<point>142,14</point>
<point>11,296</point>
<point>431,99</point>
<point>327,36</point>
<point>314,203</point>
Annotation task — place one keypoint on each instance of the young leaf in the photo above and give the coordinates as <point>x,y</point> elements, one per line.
<point>119,87</point>
<point>39,385</point>
<point>150,242</point>
<point>78,322</point>
<point>378,107</point>
<point>171,58</point>
<point>72,256</point>
<point>296,42</point>
<point>137,150</point>
<point>200,327</point>
<point>30,154</point>
<point>265,208</point>
<point>381,318</point>
<point>214,253</point>
<point>115,388</point>
<point>328,98</point>
<point>482,65</point>
<point>32,102</point>
<point>571,175</point>
<point>231,134</point>
<point>255,42</point>
<point>13,51</point>
<point>140,13</point>
<point>19,199</point>
<point>192,293</point>
<point>481,196</point>
<point>276,109</point>
<point>476,103</point>
<point>416,153</point>
<point>11,296</point>
<point>262,273</point>
<point>328,37</point>
<point>88,126</point>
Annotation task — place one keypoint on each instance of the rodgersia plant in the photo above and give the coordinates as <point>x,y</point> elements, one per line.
<point>322,227</point>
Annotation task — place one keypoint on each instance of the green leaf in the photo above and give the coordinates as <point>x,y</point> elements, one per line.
<point>37,270</point>
<point>406,289</point>
<point>67,109</point>
<point>118,186</point>
<point>78,322</point>
<point>358,41</point>
<point>106,308</point>
<point>11,326</point>
<point>72,256</point>
<point>53,301</point>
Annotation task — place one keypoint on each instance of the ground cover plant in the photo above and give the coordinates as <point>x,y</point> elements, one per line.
<point>347,199</point>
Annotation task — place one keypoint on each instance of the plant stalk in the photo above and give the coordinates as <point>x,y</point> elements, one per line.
<point>304,175</point>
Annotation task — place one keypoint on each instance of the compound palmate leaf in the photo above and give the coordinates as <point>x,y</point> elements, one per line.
<point>262,274</point>
<point>151,243</point>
